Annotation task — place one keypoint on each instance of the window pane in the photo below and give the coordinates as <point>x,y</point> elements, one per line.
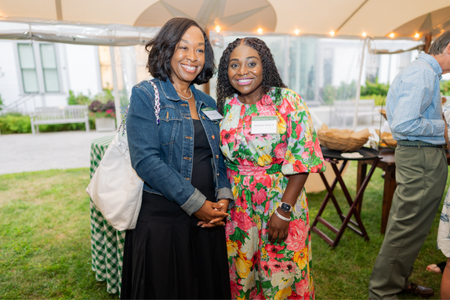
<point>30,84</point>
<point>51,80</point>
<point>48,56</point>
<point>26,56</point>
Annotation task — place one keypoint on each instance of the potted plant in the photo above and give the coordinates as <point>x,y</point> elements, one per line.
<point>104,114</point>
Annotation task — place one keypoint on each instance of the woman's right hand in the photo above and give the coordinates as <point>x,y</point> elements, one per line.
<point>210,211</point>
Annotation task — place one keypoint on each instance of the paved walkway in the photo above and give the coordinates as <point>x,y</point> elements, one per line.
<point>45,151</point>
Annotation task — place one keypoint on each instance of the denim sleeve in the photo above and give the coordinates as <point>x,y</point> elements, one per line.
<point>143,142</point>
<point>414,96</point>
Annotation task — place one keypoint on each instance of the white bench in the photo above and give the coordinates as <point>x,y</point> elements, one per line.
<point>346,109</point>
<point>59,115</point>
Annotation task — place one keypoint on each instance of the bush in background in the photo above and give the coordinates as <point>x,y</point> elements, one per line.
<point>17,123</point>
<point>374,88</point>
<point>445,87</point>
<point>80,99</point>
<point>1,103</point>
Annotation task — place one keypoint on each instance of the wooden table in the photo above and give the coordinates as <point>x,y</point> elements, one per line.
<point>387,164</point>
<point>333,157</point>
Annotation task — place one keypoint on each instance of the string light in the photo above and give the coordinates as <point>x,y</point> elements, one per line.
<point>217,28</point>
<point>364,34</point>
<point>391,35</point>
<point>260,30</point>
<point>416,35</point>
<point>332,33</point>
<point>297,31</point>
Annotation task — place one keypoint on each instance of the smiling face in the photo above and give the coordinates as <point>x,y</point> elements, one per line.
<point>245,73</point>
<point>189,56</point>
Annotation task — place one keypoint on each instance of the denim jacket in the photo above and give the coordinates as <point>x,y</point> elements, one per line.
<point>162,155</point>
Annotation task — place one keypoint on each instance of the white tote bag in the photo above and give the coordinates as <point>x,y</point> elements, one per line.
<point>115,188</point>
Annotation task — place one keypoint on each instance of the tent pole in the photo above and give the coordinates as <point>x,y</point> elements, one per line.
<point>358,85</point>
<point>115,86</point>
<point>206,86</point>
<point>428,39</point>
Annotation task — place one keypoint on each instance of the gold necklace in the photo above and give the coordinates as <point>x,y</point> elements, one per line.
<point>185,98</point>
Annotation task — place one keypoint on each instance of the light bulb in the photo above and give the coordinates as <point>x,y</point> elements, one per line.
<point>260,30</point>
<point>297,31</point>
<point>332,33</point>
<point>217,28</point>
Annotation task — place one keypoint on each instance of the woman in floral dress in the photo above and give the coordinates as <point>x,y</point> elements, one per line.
<point>269,243</point>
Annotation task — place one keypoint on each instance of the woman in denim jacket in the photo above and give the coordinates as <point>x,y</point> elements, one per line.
<point>178,248</point>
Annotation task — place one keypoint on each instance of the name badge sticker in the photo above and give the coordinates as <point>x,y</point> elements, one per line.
<point>212,114</point>
<point>264,125</point>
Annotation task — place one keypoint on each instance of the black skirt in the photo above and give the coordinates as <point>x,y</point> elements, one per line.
<point>167,256</point>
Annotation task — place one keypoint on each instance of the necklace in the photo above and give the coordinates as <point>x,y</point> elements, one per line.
<point>185,98</point>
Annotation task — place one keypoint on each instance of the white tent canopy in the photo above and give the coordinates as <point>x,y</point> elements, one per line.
<point>122,23</point>
<point>377,18</point>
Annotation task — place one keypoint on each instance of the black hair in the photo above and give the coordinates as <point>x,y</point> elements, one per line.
<point>271,77</point>
<point>161,48</point>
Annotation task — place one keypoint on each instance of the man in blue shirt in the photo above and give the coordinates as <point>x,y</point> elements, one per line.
<point>415,116</point>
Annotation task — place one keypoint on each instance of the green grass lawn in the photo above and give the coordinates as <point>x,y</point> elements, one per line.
<point>45,241</point>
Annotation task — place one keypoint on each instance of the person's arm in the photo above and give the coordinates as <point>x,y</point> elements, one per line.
<point>143,142</point>
<point>413,97</point>
<point>303,156</point>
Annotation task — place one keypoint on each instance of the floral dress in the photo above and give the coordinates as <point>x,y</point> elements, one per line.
<point>258,166</point>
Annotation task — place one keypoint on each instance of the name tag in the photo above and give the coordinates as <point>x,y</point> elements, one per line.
<point>263,125</point>
<point>211,113</point>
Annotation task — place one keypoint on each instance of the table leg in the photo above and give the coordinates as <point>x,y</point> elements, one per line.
<point>389,188</point>
<point>353,204</point>
<point>329,195</point>
<point>361,175</point>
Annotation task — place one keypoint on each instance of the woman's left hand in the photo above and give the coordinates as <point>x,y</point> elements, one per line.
<point>219,221</point>
<point>278,229</point>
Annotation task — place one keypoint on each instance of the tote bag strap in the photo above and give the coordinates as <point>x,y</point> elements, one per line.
<point>157,102</point>
<point>157,108</point>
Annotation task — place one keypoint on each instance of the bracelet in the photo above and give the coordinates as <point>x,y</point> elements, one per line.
<point>281,217</point>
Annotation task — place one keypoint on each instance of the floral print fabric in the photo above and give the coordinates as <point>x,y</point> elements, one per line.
<point>258,165</point>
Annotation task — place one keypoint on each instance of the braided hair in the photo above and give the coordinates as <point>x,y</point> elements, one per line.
<point>271,77</point>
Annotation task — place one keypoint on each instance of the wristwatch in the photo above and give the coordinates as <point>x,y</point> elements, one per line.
<point>286,207</point>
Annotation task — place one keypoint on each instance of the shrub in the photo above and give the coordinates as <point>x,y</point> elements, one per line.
<point>15,124</point>
<point>96,106</point>
<point>374,88</point>
<point>445,88</point>
<point>80,99</point>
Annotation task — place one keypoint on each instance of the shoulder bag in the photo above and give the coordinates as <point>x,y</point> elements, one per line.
<point>115,188</point>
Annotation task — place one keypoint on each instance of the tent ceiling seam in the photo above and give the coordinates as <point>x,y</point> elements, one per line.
<point>59,15</point>
<point>351,16</point>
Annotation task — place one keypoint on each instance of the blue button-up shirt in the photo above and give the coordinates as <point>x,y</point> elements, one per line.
<point>413,106</point>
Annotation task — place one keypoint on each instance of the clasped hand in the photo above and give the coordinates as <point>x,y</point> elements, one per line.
<point>212,214</point>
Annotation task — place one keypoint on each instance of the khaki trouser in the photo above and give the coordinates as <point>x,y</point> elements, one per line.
<point>421,174</point>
